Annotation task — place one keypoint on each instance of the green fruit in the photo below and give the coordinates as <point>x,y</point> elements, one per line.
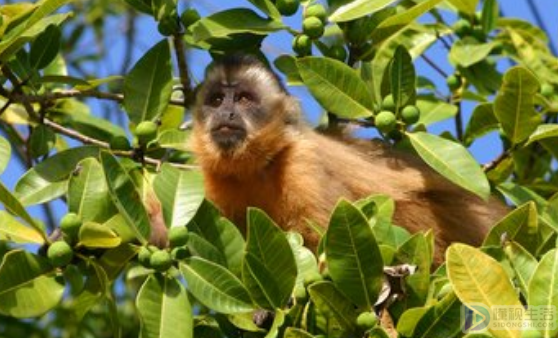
<point>180,253</point>
<point>178,236</point>
<point>547,90</point>
<point>385,121</point>
<point>410,114</point>
<point>317,11</point>
<point>462,27</point>
<point>454,82</point>
<point>146,131</point>
<point>189,17</point>
<point>287,7</point>
<point>300,294</point>
<point>313,27</point>
<point>312,278</point>
<point>388,103</point>
<point>60,253</point>
<point>367,320</point>
<point>338,53</point>
<point>70,225</point>
<point>144,256</point>
<point>302,45</point>
<point>161,260</point>
<point>120,142</point>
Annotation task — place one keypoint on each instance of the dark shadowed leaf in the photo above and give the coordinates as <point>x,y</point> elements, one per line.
<point>402,78</point>
<point>45,47</point>
<point>481,122</point>
<point>334,305</point>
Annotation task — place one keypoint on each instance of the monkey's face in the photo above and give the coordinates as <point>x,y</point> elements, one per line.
<point>236,101</point>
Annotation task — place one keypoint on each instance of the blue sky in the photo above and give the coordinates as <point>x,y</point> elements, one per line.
<point>484,150</point>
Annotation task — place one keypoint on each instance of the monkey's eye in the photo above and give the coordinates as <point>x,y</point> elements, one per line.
<point>216,99</point>
<point>244,97</point>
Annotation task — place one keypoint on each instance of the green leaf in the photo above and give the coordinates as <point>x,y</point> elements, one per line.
<point>95,235</point>
<point>327,298</point>
<point>293,332</point>
<point>13,205</point>
<point>478,278</point>
<point>417,252</point>
<point>126,196</point>
<point>32,188</point>
<point>41,141</point>
<point>490,13</point>
<point>59,166</point>
<point>543,291</point>
<point>28,285</point>
<point>441,320</point>
<point>180,193</point>
<point>88,193</point>
<point>96,286</point>
<point>200,247</point>
<point>336,86</point>
<point>215,286</point>
<point>395,23</point>
<point>520,225</point>
<point>164,309</point>
<point>433,110</point>
<point>452,161</point>
<point>174,139</point>
<point>357,9</point>
<point>481,122</point>
<point>267,246</point>
<point>148,86</point>
<point>263,286</point>
<point>221,233</point>
<point>5,154</point>
<point>468,51</point>
<point>305,260</point>
<point>355,261</point>
<point>13,231</point>
<point>514,106</point>
<point>233,21</point>
<point>45,47</point>
<point>523,264</point>
<point>466,6</point>
<point>543,131</point>
<point>267,7</point>
<point>402,78</point>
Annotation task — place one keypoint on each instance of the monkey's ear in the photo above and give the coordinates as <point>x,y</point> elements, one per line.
<point>291,109</point>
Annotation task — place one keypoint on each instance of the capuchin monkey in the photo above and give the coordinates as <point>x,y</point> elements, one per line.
<point>255,150</point>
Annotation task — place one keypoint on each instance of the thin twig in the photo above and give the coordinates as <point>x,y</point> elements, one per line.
<point>494,163</point>
<point>180,53</point>
<point>434,65</point>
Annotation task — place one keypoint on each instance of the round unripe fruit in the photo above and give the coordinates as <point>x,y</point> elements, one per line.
<point>161,260</point>
<point>120,142</point>
<point>338,53</point>
<point>462,27</point>
<point>189,17</point>
<point>302,45</point>
<point>300,294</point>
<point>312,278</point>
<point>410,114</point>
<point>317,11</point>
<point>388,103</point>
<point>178,236</point>
<point>454,82</point>
<point>385,121</point>
<point>146,131</point>
<point>547,89</point>
<point>70,224</point>
<point>60,253</point>
<point>287,7</point>
<point>313,27</point>
<point>144,256</point>
<point>367,320</point>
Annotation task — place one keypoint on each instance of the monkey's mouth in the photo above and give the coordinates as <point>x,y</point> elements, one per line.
<point>228,135</point>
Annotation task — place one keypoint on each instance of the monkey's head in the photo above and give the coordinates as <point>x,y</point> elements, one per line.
<point>241,109</point>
